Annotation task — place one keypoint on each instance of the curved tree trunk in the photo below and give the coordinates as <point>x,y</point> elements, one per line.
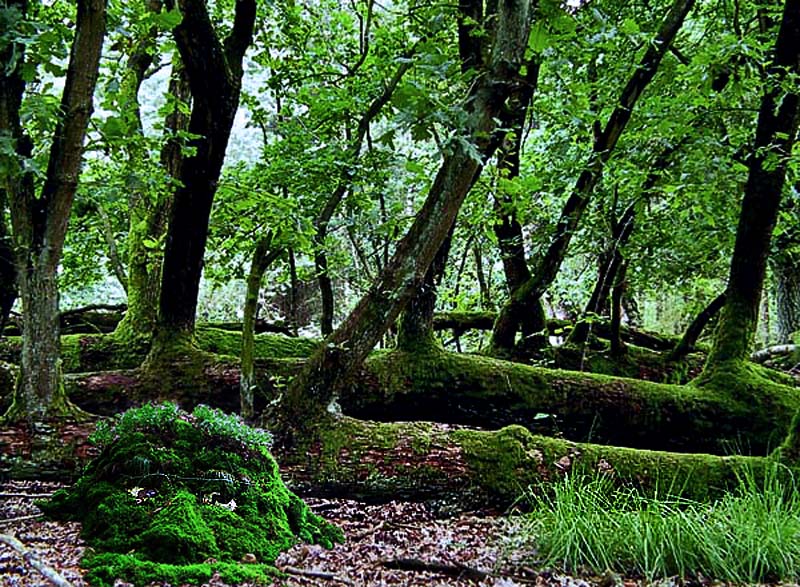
<point>329,370</point>
<point>695,329</point>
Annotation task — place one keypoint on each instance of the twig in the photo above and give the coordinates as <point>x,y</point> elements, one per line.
<point>457,571</point>
<point>33,560</point>
<point>26,495</point>
<point>20,519</point>
<point>316,575</point>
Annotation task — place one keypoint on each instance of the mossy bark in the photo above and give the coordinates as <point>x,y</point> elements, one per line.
<point>454,468</point>
<point>776,131</point>
<point>464,468</point>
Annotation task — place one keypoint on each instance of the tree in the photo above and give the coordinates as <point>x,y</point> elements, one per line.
<point>40,214</point>
<point>775,134</point>
<point>214,69</point>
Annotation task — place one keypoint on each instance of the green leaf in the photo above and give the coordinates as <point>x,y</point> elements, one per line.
<point>168,20</point>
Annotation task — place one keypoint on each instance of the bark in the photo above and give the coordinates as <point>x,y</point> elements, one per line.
<point>695,329</point>
<point>330,369</point>
<point>263,257</point>
<point>775,134</point>
<point>547,267</point>
<point>214,70</point>
<point>415,327</point>
<point>786,270</point>
<point>8,269</point>
<point>149,214</point>
<point>40,221</point>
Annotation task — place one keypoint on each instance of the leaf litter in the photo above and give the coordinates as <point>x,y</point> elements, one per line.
<point>395,544</point>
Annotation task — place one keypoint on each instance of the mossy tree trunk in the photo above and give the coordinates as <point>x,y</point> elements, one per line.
<point>785,263</point>
<point>8,268</point>
<point>148,217</point>
<point>263,257</point>
<point>330,369</point>
<point>40,221</point>
<point>214,70</point>
<point>772,148</point>
<point>546,269</point>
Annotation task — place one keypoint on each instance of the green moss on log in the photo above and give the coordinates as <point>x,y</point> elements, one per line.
<point>464,468</point>
<point>171,490</point>
<point>746,413</point>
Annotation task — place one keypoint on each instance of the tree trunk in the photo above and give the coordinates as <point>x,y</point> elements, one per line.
<point>148,223</point>
<point>263,257</point>
<point>547,268</point>
<point>8,269</point>
<point>415,327</point>
<point>214,70</point>
<point>775,134</point>
<point>329,370</point>
<point>40,223</point>
<point>695,329</point>
<point>787,295</point>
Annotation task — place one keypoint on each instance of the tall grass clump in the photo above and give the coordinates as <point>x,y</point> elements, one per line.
<point>751,534</point>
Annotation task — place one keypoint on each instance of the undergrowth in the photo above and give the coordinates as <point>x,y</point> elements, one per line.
<point>178,497</point>
<point>750,535</point>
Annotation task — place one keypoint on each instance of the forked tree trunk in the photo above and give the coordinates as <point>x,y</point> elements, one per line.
<point>148,222</point>
<point>40,221</point>
<point>772,148</point>
<point>214,70</point>
<point>695,329</point>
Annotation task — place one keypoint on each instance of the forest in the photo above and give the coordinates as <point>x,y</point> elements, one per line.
<point>466,255</point>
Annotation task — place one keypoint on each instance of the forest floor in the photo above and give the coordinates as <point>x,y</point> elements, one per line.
<point>476,550</point>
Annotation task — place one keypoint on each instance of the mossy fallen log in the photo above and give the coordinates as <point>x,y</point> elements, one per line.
<point>459,468</point>
<point>739,411</point>
<point>106,352</point>
<point>742,412</point>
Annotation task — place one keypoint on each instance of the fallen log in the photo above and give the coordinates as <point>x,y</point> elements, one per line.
<point>455,468</point>
<point>765,354</point>
<point>33,560</point>
<point>743,412</point>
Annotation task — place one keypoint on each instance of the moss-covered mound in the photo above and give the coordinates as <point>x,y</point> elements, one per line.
<point>176,496</point>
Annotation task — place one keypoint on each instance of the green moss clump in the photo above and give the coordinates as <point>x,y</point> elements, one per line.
<point>273,346</point>
<point>178,497</point>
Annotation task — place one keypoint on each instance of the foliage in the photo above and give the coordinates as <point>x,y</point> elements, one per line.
<point>747,536</point>
<point>172,490</point>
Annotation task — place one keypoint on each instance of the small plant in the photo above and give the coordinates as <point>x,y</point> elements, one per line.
<point>180,496</point>
<point>751,534</point>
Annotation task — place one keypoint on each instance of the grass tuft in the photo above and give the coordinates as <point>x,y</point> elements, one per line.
<point>750,535</point>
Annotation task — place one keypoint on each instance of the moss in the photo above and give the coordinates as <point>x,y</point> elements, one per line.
<point>175,489</point>
<point>746,413</point>
<point>274,346</point>
<point>104,568</point>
